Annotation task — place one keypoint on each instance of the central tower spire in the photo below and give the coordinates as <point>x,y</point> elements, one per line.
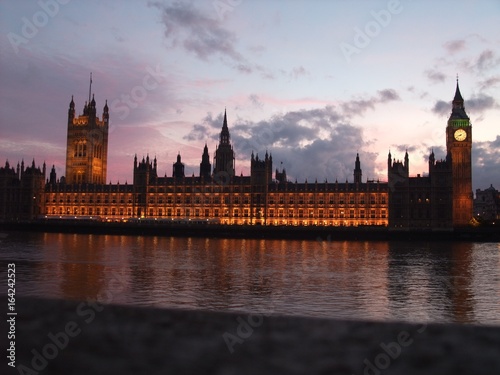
<point>224,154</point>
<point>224,134</point>
<point>458,109</point>
<point>90,86</point>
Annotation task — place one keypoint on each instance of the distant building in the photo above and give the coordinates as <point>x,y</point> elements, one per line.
<point>441,200</point>
<point>487,204</point>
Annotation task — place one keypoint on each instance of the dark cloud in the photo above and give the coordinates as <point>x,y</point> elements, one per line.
<point>439,152</point>
<point>197,133</point>
<point>435,76</point>
<point>404,148</point>
<point>454,45</point>
<point>388,95</point>
<point>316,143</point>
<point>480,103</point>
<point>214,122</point>
<point>244,68</point>
<point>441,108</point>
<point>357,107</point>
<point>487,60</point>
<point>188,28</point>
<point>486,164</point>
<point>312,144</point>
<point>476,105</point>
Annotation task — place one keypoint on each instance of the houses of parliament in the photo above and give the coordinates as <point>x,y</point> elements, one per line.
<point>440,200</point>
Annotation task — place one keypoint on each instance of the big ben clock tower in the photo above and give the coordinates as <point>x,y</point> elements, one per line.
<point>459,145</point>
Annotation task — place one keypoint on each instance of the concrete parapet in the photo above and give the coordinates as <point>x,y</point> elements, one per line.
<point>72,337</point>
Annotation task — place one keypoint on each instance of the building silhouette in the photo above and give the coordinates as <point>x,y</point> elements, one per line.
<point>440,200</point>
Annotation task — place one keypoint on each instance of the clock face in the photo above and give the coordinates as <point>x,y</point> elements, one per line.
<point>460,135</point>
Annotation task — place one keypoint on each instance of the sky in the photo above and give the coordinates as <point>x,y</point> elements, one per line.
<point>313,82</point>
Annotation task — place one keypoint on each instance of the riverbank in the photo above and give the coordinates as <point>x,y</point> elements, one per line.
<point>73,337</point>
<point>368,233</point>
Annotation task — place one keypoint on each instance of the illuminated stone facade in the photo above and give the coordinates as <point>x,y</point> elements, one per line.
<point>222,197</point>
<point>439,200</point>
<point>87,145</point>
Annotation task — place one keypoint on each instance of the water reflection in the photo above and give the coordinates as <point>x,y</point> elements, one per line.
<point>431,281</point>
<point>452,282</point>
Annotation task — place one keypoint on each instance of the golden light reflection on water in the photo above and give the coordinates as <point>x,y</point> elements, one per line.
<point>368,280</point>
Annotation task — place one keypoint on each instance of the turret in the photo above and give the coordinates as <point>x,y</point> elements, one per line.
<point>357,170</point>
<point>71,111</point>
<point>178,168</point>
<point>105,113</point>
<point>432,159</point>
<point>53,176</point>
<point>91,108</point>
<point>205,166</point>
<point>261,171</point>
<point>224,156</point>
<point>224,134</point>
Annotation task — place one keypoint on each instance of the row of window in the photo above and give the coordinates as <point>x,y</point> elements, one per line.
<point>80,150</point>
<point>90,200</point>
<point>216,212</point>
<point>217,200</point>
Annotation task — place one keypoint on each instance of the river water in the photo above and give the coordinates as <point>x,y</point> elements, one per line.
<point>403,281</point>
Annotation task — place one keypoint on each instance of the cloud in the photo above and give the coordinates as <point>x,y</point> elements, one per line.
<point>388,95</point>
<point>313,144</point>
<point>254,99</point>
<point>435,76</point>
<point>481,103</point>
<point>486,163</point>
<point>298,71</point>
<point>186,27</point>
<point>477,105</point>
<point>489,83</point>
<point>197,133</point>
<point>441,108</point>
<point>486,61</point>
<point>454,46</point>
<point>404,148</point>
<point>357,107</point>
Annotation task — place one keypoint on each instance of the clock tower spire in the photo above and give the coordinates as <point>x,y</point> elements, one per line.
<point>459,146</point>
